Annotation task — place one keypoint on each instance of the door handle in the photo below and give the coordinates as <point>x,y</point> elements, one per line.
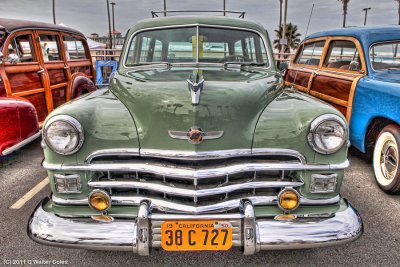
<point>40,71</point>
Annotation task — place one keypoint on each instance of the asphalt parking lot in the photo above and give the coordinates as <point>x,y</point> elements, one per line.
<point>379,246</point>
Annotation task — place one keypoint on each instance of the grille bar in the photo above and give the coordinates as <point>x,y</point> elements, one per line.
<point>192,193</point>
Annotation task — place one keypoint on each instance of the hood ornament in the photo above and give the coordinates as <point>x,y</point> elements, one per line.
<point>195,135</point>
<point>195,83</point>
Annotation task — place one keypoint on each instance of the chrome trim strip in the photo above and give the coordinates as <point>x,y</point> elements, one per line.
<point>47,228</point>
<point>262,36</point>
<point>192,155</point>
<point>171,190</point>
<point>112,152</point>
<point>165,205</point>
<point>21,144</point>
<point>193,173</point>
<point>220,154</point>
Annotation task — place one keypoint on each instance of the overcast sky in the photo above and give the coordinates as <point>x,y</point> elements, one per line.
<point>90,16</point>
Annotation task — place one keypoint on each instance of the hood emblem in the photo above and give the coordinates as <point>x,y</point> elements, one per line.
<point>195,83</point>
<point>195,135</point>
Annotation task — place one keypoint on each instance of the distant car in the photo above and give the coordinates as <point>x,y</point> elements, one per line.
<point>191,149</point>
<point>357,70</point>
<point>42,66</point>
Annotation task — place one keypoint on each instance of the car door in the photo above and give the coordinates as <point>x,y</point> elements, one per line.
<point>25,75</point>
<point>341,67</point>
<point>52,61</point>
<point>306,63</point>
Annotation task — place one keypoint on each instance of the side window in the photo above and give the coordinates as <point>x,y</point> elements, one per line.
<point>49,46</point>
<point>74,48</point>
<point>310,53</point>
<point>21,49</point>
<point>343,55</point>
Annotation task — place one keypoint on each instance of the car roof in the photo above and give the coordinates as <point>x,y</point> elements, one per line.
<point>203,20</point>
<point>11,25</point>
<point>367,35</point>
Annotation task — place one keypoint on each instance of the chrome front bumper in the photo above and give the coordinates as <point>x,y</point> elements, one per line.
<point>250,233</point>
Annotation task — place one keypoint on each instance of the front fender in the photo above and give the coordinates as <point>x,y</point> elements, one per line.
<point>285,124</point>
<point>18,121</point>
<point>106,122</point>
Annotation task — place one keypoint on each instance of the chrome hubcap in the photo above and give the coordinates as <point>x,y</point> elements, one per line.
<point>389,160</point>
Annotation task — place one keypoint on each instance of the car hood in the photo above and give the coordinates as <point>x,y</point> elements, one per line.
<point>231,101</point>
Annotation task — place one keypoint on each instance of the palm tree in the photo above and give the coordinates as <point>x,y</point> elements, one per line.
<point>345,6</point>
<point>398,1</point>
<point>292,36</point>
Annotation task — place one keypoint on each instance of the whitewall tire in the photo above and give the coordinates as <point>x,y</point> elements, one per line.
<point>386,159</point>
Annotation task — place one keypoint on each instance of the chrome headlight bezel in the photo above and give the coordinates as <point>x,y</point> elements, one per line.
<point>74,123</point>
<point>320,121</point>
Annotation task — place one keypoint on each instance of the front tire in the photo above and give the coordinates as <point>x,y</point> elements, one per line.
<point>386,159</point>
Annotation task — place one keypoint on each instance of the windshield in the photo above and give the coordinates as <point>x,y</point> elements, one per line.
<point>196,44</point>
<point>385,56</point>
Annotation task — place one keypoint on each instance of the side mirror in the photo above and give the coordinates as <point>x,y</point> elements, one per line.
<point>283,66</point>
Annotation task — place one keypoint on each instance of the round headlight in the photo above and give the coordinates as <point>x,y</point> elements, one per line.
<point>288,199</point>
<point>63,134</point>
<point>328,133</point>
<point>99,200</point>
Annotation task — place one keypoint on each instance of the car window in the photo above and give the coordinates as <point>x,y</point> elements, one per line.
<point>50,47</point>
<point>343,55</point>
<point>21,50</point>
<point>74,48</point>
<point>385,55</point>
<point>310,53</point>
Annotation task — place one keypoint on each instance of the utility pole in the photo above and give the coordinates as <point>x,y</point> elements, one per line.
<point>366,14</point>
<point>54,12</point>
<point>109,23</point>
<point>165,8</point>
<point>113,19</point>
<point>283,41</point>
<point>224,7</point>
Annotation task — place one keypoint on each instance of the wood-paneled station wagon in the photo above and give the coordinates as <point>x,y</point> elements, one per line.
<point>42,66</point>
<point>357,70</point>
<point>196,145</point>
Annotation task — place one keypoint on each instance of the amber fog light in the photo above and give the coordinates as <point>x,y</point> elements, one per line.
<point>288,199</point>
<point>99,200</point>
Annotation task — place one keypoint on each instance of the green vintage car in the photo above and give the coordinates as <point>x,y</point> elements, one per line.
<point>195,149</point>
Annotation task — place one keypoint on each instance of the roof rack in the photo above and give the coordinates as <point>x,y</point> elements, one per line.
<point>154,14</point>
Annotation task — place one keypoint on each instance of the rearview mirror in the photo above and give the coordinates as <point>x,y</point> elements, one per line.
<point>283,66</point>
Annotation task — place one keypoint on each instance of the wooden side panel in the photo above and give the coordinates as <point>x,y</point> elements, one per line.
<point>59,96</point>
<point>299,78</point>
<point>21,82</point>
<point>57,76</point>
<point>83,69</point>
<point>39,101</point>
<point>333,87</point>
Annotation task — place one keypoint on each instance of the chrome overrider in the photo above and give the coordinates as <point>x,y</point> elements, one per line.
<point>142,232</point>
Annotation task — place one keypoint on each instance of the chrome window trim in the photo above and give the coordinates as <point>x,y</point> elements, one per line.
<point>194,173</point>
<point>164,205</point>
<point>378,43</point>
<point>129,41</point>
<point>74,123</point>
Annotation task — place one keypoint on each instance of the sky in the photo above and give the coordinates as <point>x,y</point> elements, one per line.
<point>90,16</point>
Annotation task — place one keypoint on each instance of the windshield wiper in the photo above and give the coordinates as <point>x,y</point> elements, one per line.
<point>147,64</point>
<point>244,64</point>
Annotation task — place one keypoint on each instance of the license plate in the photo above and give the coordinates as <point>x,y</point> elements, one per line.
<point>196,235</point>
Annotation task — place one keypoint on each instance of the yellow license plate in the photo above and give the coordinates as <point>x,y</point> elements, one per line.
<point>196,235</point>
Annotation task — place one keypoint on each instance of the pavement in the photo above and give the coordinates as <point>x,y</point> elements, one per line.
<point>379,246</point>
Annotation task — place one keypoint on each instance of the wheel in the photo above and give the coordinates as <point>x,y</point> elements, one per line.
<point>386,159</point>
